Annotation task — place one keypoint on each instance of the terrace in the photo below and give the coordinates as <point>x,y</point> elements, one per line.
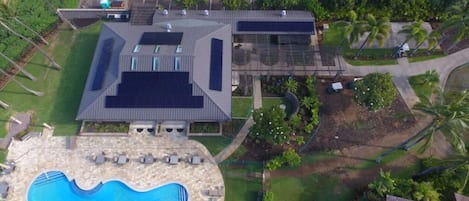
<point>41,154</point>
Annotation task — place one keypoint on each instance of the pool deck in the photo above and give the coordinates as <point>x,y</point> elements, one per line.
<point>40,154</point>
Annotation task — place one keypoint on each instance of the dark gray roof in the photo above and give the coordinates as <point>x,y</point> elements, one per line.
<point>233,16</point>
<point>195,59</point>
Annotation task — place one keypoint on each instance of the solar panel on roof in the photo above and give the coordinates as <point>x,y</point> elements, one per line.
<point>161,38</point>
<point>154,90</point>
<point>270,26</point>
<point>216,64</point>
<point>103,64</point>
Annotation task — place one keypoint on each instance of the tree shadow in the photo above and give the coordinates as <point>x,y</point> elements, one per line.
<point>71,85</point>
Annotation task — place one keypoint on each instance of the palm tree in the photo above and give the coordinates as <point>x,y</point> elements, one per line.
<point>352,29</point>
<point>450,113</point>
<point>459,161</point>
<point>31,77</point>
<point>37,93</point>
<point>378,30</point>
<point>55,64</point>
<point>433,40</point>
<point>459,22</point>
<point>415,32</point>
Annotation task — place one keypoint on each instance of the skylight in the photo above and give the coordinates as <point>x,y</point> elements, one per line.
<point>137,48</point>
<point>177,63</point>
<point>179,49</point>
<point>157,49</point>
<point>156,63</point>
<point>133,64</point>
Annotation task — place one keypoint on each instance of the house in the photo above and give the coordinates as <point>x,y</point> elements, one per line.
<point>174,69</point>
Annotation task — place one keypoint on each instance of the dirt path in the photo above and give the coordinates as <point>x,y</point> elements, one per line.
<point>342,166</point>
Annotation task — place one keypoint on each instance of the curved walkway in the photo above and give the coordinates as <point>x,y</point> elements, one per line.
<point>400,72</point>
<point>238,140</point>
<point>404,69</point>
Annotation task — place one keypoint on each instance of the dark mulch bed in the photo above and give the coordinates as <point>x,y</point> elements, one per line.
<point>354,124</point>
<point>81,23</point>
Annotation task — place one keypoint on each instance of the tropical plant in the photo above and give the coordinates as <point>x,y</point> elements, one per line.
<point>55,64</point>
<point>310,102</point>
<point>415,32</point>
<point>270,126</point>
<point>268,196</point>
<point>433,39</point>
<point>424,191</point>
<point>291,85</point>
<point>8,12</point>
<point>383,185</point>
<point>352,29</point>
<point>191,3</point>
<point>235,4</point>
<point>277,4</point>
<point>431,78</point>
<point>378,29</point>
<point>288,158</point>
<point>450,112</point>
<point>458,21</point>
<point>320,13</point>
<point>375,91</point>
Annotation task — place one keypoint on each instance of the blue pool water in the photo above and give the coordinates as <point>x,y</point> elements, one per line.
<point>56,187</point>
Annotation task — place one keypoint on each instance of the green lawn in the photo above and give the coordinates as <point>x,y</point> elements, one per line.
<point>238,186</point>
<point>371,56</point>
<point>62,89</point>
<point>276,101</point>
<point>333,36</point>
<point>3,155</point>
<point>426,57</point>
<point>313,187</point>
<point>214,144</point>
<point>421,90</point>
<point>241,106</point>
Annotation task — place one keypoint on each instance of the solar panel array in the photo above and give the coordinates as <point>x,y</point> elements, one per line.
<point>161,38</point>
<point>103,64</point>
<point>154,90</point>
<point>216,64</point>
<point>272,26</point>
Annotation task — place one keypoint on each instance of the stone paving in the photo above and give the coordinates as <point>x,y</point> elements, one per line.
<point>41,154</point>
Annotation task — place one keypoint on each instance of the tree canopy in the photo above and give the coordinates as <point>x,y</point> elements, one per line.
<point>375,91</point>
<point>270,126</point>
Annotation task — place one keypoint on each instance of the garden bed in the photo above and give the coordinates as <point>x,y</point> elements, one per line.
<point>105,127</point>
<point>205,127</point>
<point>354,124</point>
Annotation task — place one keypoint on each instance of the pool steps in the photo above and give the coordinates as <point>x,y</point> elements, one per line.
<point>49,178</point>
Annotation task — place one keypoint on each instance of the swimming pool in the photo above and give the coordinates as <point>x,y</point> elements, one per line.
<point>54,186</point>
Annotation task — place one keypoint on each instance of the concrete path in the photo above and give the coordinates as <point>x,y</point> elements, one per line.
<point>14,128</point>
<point>404,69</point>
<point>238,140</point>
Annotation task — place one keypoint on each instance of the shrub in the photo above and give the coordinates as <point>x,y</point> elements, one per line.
<point>375,91</point>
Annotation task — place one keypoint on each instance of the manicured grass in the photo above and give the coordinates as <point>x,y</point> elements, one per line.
<point>359,62</point>
<point>62,89</point>
<point>241,106</point>
<point>425,57</point>
<point>333,36</point>
<point>238,186</point>
<point>313,187</point>
<point>421,90</point>
<point>214,144</point>
<point>371,57</point>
